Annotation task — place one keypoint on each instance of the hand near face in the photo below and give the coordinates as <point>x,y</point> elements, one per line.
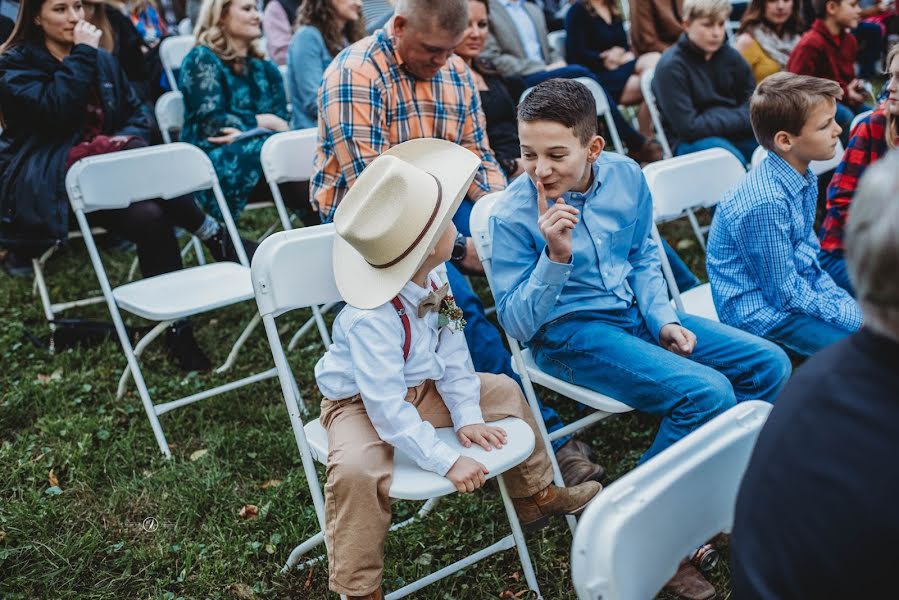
<point>556,223</point>
<point>677,339</point>
<point>87,34</point>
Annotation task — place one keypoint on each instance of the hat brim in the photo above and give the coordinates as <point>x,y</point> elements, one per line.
<point>365,286</point>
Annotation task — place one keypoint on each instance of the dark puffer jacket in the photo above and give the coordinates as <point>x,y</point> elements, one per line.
<point>43,102</point>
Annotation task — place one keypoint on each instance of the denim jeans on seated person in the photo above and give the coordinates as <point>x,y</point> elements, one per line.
<point>741,148</point>
<point>629,136</point>
<point>485,343</point>
<point>615,354</point>
<point>834,264</point>
<point>683,276</point>
<point>804,335</point>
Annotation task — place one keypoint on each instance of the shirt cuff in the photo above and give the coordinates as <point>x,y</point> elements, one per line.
<point>659,319</point>
<point>550,272</point>
<point>851,315</point>
<point>442,458</point>
<point>467,414</point>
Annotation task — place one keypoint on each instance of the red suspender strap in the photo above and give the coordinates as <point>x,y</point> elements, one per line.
<point>407,326</point>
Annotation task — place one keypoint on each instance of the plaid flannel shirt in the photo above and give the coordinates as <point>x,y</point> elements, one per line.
<point>867,145</point>
<point>369,102</point>
<point>763,253</point>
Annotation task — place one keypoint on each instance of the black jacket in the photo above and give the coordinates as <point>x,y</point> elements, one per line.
<point>43,102</point>
<point>701,98</point>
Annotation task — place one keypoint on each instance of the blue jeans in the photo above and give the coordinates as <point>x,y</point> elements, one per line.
<point>683,276</point>
<point>804,335</point>
<point>613,353</point>
<point>834,264</point>
<point>485,343</point>
<point>630,136</point>
<point>742,148</point>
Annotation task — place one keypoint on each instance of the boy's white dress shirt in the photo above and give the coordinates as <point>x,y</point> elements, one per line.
<point>366,358</point>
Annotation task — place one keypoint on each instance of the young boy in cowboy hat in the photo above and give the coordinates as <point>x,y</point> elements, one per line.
<point>399,363</point>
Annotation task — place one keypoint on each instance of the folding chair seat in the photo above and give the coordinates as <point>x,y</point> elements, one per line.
<point>818,167</point>
<point>680,185</point>
<point>172,51</point>
<point>169,171</point>
<point>522,361</point>
<point>280,288</point>
<point>631,539</point>
<point>602,109</point>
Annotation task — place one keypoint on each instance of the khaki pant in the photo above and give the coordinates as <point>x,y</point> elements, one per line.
<point>360,467</point>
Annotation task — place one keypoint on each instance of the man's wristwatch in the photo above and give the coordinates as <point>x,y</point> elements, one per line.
<point>460,248</point>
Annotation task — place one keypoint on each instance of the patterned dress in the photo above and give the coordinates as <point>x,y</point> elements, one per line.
<point>215,97</point>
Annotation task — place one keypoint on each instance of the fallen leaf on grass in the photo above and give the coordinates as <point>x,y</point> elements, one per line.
<point>271,483</point>
<point>2,535</point>
<point>685,244</point>
<point>44,379</point>
<point>308,583</point>
<point>249,511</point>
<point>198,454</point>
<point>516,576</point>
<point>241,591</point>
<point>52,479</point>
<point>269,548</point>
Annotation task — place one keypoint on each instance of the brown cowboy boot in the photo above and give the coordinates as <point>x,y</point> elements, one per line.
<point>375,595</point>
<point>689,583</point>
<point>575,464</point>
<point>534,511</point>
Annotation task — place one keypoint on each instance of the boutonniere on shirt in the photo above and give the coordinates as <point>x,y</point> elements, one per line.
<point>450,315</point>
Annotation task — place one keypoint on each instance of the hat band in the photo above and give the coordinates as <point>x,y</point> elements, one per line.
<point>424,230</point>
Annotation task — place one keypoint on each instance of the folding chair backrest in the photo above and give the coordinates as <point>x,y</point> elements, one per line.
<point>293,269</point>
<point>818,167</point>
<point>697,180</point>
<point>479,222</point>
<point>172,51</point>
<point>170,114</point>
<point>288,156</point>
<point>858,119</point>
<point>631,538</point>
<point>650,99</point>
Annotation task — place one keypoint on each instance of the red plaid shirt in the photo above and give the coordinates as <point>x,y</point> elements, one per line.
<point>819,54</point>
<point>867,145</point>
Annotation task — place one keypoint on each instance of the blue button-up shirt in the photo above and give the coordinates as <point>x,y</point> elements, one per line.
<point>614,260</point>
<point>763,253</point>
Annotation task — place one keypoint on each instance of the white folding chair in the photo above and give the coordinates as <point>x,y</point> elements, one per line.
<point>523,361</point>
<point>281,287</point>
<point>858,119</point>
<point>556,40</point>
<point>650,99</point>
<point>287,157</point>
<point>185,27</point>
<point>117,180</point>
<point>602,109</point>
<point>172,51</point>
<point>170,114</point>
<point>631,539</point>
<point>818,167</point>
<point>675,193</point>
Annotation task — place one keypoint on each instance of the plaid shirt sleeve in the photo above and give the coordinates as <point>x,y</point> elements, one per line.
<point>762,235</point>
<point>351,133</point>
<point>861,151</point>
<point>489,177</point>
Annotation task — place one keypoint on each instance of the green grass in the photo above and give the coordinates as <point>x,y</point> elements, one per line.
<point>83,538</point>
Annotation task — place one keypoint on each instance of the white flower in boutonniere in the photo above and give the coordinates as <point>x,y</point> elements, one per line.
<point>450,315</point>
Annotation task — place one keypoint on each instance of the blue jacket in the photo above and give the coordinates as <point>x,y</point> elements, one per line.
<point>307,59</point>
<point>43,102</point>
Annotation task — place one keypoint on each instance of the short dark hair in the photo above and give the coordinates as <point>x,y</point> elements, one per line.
<point>562,101</point>
<point>820,7</point>
<point>784,101</point>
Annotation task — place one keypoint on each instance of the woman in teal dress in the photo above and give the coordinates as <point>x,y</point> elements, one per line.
<point>234,99</point>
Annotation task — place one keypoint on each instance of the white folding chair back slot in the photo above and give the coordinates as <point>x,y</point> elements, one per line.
<point>818,167</point>
<point>650,99</point>
<point>281,287</point>
<point>410,482</point>
<point>630,540</point>
<point>170,114</point>
<point>172,51</point>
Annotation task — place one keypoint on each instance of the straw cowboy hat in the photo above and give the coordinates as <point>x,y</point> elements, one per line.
<point>392,217</point>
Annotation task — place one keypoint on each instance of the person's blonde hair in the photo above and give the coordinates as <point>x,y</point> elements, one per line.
<point>892,123</point>
<point>210,32</point>
<point>701,9</point>
<point>785,101</point>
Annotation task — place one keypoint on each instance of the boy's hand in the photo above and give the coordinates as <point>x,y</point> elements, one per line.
<point>556,223</point>
<point>467,474</point>
<point>677,339</point>
<point>483,435</point>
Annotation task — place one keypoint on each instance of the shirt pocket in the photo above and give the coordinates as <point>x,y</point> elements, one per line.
<point>614,265</point>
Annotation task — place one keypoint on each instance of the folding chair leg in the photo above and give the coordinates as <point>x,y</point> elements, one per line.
<point>322,329</point>
<point>235,350</point>
<point>138,350</point>
<point>697,229</point>
<point>40,285</point>
<point>518,536</point>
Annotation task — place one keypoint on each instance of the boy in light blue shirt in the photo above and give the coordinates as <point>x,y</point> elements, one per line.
<point>577,278</point>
